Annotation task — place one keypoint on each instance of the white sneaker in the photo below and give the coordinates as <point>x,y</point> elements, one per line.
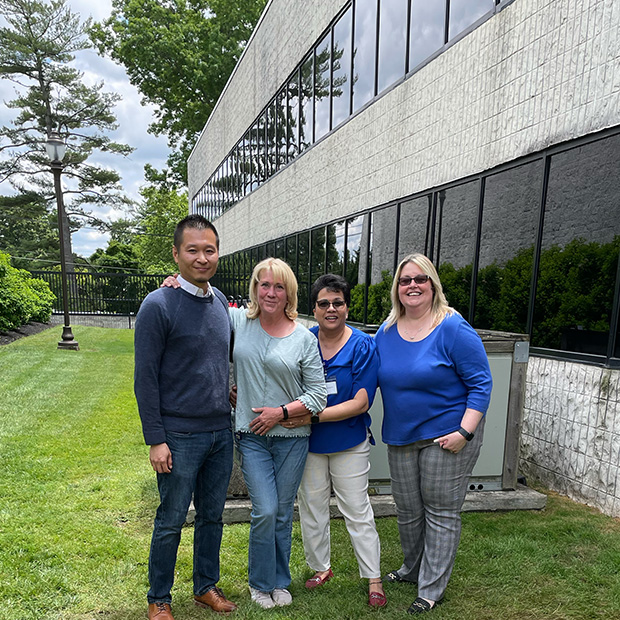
<point>262,598</point>
<point>281,597</point>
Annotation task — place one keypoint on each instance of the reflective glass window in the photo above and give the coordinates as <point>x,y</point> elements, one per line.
<point>317,260</point>
<point>427,30</point>
<point>392,42</point>
<point>306,120</point>
<point>341,78</point>
<point>463,13</point>
<point>457,219</point>
<point>358,291</point>
<point>303,271</point>
<point>272,158</point>
<point>261,148</point>
<point>280,249</point>
<point>335,248</point>
<point>414,226</point>
<point>322,71</point>
<point>510,217</point>
<point>282,119</point>
<point>247,165</point>
<point>364,52</point>
<point>579,253</point>
<point>352,257</point>
<point>291,253</point>
<point>293,116</point>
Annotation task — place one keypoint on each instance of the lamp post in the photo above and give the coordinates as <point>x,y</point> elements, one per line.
<point>56,148</point>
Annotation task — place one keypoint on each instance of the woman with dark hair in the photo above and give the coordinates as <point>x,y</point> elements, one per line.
<point>339,449</point>
<point>436,386</point>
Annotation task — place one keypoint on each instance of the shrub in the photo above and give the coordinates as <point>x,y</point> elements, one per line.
<point>23,298</point>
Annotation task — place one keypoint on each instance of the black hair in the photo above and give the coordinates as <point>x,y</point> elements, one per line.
<point>197,222</point>
<point>334,284</point>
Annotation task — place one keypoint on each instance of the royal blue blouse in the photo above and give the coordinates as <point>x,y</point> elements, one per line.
<point>354,367</point>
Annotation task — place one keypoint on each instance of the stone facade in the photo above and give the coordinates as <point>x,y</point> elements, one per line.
<point>570,439</point>
<point>538,73</point>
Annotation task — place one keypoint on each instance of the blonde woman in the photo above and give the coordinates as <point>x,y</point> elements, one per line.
<point>279,376</point>
<point>436,386</point>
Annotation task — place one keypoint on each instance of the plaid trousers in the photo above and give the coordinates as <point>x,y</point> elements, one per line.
<point>429,486</point>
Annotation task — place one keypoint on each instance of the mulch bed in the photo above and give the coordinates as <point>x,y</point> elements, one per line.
<point>25,330</point>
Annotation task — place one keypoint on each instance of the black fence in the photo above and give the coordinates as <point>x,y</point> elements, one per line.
<point>101,293</point>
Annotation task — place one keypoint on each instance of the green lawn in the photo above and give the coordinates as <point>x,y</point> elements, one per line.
<point>77,498</point>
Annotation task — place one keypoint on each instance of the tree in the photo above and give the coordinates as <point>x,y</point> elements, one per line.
<point>28,231</point>
<point>157,217</point>
<point>36,49</point>
<point>179,54</point>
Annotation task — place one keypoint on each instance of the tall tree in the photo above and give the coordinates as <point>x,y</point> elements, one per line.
<point>36,49</point>
<point>179,54</point>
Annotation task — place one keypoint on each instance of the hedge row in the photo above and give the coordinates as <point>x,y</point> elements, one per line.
<point>23,298</point>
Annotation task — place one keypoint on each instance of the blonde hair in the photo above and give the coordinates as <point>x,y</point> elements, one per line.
<point>439,308</point>
<point>281,273</point>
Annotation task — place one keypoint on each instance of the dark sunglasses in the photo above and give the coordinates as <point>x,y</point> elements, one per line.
<point>324,304</point>
<point>406,280</point>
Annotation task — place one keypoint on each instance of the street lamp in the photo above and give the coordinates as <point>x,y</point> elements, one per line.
<point>56,147</point>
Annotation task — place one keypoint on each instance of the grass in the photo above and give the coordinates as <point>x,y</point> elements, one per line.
<point>77,499</point>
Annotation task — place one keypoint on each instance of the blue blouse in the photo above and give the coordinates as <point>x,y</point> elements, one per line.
<point>354,367</point>
<point>427,385</point>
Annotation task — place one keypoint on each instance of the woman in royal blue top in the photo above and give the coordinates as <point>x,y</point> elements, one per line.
<point>340,441</point>
<point>436,386</point>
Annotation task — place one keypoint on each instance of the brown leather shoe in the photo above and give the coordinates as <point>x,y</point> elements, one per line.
<point>160,611</point>
<point>215,599</point>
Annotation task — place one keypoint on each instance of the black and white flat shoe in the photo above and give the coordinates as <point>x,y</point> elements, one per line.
<point>420,606</point>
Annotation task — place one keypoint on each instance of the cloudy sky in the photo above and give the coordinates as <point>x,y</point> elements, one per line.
<point>133,119</point>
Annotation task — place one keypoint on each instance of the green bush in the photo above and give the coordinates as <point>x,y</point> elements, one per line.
<point>23,298</point>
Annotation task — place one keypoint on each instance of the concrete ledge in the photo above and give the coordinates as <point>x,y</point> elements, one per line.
<point>524,498</point>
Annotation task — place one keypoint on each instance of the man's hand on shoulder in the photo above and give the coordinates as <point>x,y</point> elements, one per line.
<point>161,458</point>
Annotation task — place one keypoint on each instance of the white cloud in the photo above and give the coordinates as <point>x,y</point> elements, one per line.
<point>133,120</point>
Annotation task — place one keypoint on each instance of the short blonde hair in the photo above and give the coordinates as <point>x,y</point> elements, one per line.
<point>439,308</point>
<point>282,273</point>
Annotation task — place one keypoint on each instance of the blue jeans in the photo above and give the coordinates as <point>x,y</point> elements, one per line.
<point>201,464</point>
<point>272,468</point>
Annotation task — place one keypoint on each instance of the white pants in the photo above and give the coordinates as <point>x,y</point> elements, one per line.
<point>347,471</point>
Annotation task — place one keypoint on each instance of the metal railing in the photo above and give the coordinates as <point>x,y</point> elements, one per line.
<point>101,293</point>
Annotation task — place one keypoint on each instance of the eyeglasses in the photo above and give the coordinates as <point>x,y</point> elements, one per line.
<point>324,304</point>
<point>406,280</point>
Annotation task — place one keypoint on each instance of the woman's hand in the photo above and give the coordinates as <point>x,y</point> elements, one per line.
<point>452,442</point>
<point>232,396</point>
<point>170,282</point>
<point>268,417</point>
<point>302,420</point>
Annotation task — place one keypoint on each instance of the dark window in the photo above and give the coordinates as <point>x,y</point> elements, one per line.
<point>354,238</point>
<point>317,260</point>
<point>341,60</point>
<point>322,78</point>
<point>280,249</point>
<point>306,121</point>
<point>509,225</point>
<point>463,13</point>
<point>392,42</point>
<point>364,52</point>
<point>456,221</point>
<point>381,264</point>
<point>303,270</point>
<point>291,253</point>
<point>427,30</point>
<point>413,228</point>
<point>579,253</point>
<point>335,248</point>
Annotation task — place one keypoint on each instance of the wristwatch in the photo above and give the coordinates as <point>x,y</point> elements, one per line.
<point>468,436</point>
<point>314,418</point>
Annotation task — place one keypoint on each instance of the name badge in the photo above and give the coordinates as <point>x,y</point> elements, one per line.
<point>332,386</point>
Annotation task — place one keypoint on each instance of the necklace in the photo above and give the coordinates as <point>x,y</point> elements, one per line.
<point>414,335</point>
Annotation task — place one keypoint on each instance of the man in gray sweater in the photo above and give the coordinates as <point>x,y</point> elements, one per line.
<point>182,339</point>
